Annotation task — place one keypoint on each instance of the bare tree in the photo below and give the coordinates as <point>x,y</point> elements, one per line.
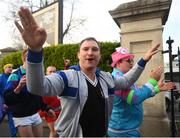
<point>73,22</point>
<point>9,18</point>
<point>71,25</point>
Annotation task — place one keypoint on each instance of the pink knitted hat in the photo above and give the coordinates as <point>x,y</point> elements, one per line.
<point>120,53</point>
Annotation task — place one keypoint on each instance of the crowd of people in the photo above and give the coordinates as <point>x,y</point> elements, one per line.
<point>81,100</point>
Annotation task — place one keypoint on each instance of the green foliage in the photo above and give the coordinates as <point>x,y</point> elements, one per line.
<point>55,55</point>
<point>13,58</point>
<point>1,70</point>
<point>107,48</point>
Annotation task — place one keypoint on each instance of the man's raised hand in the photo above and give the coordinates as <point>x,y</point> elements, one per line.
<point>32,34</point>
<point>151,52</point>
<point>156,73</point>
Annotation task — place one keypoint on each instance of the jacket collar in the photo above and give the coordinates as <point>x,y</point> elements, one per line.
<point>78,68</point>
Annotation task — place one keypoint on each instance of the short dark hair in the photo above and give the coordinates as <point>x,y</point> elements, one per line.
<point>89,39</point>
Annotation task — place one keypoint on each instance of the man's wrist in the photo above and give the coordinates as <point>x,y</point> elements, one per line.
<point>35,57</point>
<point>156,89</point>
<point>142,62</point>
<point>152,81</point>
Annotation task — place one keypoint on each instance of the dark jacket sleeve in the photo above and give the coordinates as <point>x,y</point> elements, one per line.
<point>10,97</point>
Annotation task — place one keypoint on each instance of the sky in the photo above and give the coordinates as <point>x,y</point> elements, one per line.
<point>100,24</point>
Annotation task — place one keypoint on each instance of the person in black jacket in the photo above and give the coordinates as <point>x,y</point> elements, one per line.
<point>24,105</point>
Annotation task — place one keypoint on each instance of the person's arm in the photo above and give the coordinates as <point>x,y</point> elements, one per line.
<point>135,95</point>
<point>10,96</point>
<point>37,82</point>
<point>34,37</point>
<point>20,85</point>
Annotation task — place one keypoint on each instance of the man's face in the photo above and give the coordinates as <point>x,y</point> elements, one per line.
<point>125,64</point>
<point>89,55</point>
<point>8,70</point>
<point>50,70</point>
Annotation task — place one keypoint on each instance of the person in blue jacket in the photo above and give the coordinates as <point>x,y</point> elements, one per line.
<point>4,108</point>
<point>24,105</point>
<point>127,113</point>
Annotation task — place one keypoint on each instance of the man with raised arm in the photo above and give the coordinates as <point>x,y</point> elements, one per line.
<point>86,91</point>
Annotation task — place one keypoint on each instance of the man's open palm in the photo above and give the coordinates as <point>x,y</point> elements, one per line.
<point>32,34</point>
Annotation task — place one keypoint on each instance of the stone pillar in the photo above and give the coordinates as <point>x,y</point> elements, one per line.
<point>141,24</point>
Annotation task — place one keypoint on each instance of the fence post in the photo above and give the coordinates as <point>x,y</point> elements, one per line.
<point>169,42</point>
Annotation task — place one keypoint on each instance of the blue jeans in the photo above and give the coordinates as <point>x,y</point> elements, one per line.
<point>12,128</point>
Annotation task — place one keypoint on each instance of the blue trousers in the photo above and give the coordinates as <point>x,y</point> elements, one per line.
<point>12,128</point>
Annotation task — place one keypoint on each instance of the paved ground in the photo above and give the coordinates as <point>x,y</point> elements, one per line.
<point>4,131</point>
